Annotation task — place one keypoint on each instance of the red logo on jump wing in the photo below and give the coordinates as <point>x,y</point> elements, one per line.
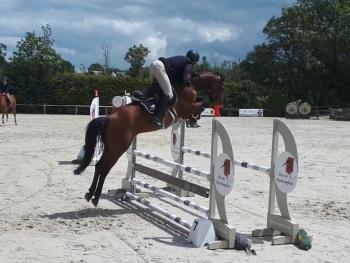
<point>289,165</point>
<point>227,167</point>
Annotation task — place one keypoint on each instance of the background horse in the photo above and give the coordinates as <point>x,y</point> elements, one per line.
<point>5,109</point>
<point>119,129</point>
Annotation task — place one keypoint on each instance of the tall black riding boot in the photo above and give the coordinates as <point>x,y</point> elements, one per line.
<point>157,117</point>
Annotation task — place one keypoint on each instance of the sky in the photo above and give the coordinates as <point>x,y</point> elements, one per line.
<point>219,30</point>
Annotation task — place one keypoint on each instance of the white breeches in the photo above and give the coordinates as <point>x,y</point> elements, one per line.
<point>157,71</point>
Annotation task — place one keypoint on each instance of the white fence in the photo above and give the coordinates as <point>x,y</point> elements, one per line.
<point>67,109</point>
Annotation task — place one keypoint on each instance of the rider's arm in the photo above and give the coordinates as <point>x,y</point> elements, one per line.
<point>187,74</point>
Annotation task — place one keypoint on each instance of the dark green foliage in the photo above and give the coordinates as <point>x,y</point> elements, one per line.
<point>307,54</point>
<point>33,66</point>
<point>136,58</point>
<point>3,63</point>
<point>80,88</point>
<point>96,67</point>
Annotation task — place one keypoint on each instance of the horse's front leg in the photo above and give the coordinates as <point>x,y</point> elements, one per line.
<point>197,107</point>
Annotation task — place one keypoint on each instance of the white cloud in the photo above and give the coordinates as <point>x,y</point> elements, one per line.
<point>66,51</point>
<point>96,24</point>
<point>208,32</point>
<point>217,30</point>
<point>212,33</point>
<point>157,45</point>
<point>9,41</point>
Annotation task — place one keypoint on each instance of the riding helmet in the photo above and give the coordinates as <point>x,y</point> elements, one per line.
<point>193,55</point>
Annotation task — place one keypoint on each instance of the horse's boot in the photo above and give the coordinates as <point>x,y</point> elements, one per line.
<point>158,115</point>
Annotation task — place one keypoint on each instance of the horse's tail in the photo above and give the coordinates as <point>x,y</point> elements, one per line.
<point>95,128</point>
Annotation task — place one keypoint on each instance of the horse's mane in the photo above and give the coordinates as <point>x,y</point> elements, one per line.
<point>210,72</point>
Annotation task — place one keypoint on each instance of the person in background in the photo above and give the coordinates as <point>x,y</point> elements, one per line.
<point>6,90</point>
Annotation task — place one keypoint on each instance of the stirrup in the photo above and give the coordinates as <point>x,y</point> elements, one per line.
<point>157,121</point>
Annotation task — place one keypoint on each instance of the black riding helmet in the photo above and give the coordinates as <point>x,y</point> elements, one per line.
<point>193,55</point>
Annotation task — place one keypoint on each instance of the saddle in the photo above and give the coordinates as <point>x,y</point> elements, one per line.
<point>149,98</point>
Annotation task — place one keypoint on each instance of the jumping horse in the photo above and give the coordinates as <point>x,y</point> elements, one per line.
<point>117,130</point>
<point>5,108</point>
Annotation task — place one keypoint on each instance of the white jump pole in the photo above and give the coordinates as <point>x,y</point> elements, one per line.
<point>171,196</point>
<point>160,210</point>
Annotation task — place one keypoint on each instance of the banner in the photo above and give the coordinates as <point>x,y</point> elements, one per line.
<point>251,113</point>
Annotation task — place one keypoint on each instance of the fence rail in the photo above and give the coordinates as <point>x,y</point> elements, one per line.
<point>85,110</point>
<point>60,109</point>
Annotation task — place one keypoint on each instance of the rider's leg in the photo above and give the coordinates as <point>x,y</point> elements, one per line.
<point>8,99</point>
<point>157,70</point>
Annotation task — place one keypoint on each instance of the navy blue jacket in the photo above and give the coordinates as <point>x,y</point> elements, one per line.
<point>179,69</point>
<point>7,88</point>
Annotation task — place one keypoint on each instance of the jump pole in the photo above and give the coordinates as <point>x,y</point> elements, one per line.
<point>223,230</point>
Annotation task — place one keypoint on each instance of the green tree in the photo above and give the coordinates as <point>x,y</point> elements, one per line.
<point>95,67</point>
<point>3,62</point>
<point>306,54</point>
<point>136,58</point>
<point>34,63</point>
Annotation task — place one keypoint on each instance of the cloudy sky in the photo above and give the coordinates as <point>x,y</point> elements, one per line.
<point>221,29</point>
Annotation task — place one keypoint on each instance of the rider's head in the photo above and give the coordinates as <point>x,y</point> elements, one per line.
<point>193,56</point>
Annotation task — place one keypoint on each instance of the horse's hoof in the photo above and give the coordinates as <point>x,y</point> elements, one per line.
<point>88,197</point>
<point>94,201</point>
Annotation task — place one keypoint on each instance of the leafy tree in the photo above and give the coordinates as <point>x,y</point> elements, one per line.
<point>34,63</point>
<point>136,58</point>
<point>3,62</point>
<point>95,67</point>
<point>3,49</point>
<point>307,53</point>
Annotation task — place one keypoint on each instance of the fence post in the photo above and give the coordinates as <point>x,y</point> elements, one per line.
<point>76,110</point>
<point>44,108</point>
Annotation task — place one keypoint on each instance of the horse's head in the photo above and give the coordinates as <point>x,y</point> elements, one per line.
<point>212,82</point>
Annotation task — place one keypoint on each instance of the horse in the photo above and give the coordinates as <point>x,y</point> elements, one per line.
<point>117,130</point>
<point>5,108</point>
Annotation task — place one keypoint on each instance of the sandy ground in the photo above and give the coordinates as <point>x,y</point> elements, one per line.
<point>44,218</point>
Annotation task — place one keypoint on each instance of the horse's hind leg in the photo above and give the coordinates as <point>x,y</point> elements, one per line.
<point>92,188</point>
<point>14,116</point>
<point>105,164</point>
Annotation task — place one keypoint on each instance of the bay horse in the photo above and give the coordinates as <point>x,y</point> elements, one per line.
<point>5,108</point>
<point>119,128</point>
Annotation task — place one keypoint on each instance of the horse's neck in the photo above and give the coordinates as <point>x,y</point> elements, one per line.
<point>186,96</point>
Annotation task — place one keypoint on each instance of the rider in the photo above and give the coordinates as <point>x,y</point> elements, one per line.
<point>172,71</point>
<point>5,90</point>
